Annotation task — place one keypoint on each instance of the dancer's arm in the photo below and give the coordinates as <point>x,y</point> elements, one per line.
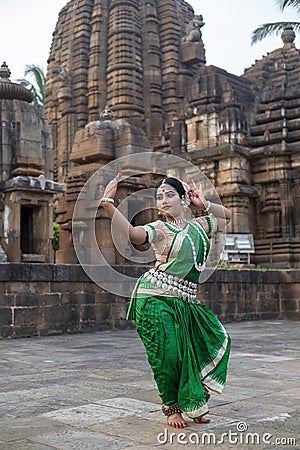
<point>137,235</point>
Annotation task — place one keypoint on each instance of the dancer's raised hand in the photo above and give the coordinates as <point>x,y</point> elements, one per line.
<point>111,188</point>
<point>196,195</point>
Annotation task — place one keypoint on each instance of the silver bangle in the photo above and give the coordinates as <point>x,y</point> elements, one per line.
<point>208,205</point>
<point>107,200</point>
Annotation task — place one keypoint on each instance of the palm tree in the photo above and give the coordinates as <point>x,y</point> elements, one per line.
<point>37,86</point>
<point>268,29</point>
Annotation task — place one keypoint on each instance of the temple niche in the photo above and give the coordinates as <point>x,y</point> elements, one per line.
<point>145,59</point>
<point>26,175</point>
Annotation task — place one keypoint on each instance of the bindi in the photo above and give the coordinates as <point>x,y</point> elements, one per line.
<point>163,185</point>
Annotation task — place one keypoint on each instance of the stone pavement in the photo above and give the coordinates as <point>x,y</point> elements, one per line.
<point>96,391</point>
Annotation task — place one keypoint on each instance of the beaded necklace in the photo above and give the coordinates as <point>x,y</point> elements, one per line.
<point>201,232</point>
<point>178,222</point>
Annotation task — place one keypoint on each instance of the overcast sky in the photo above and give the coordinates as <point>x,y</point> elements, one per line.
<point>27,27</point>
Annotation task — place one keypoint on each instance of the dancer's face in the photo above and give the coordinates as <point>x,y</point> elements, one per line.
<point>168,202</point>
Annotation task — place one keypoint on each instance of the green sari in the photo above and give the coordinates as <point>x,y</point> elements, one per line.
<point>187,346</point>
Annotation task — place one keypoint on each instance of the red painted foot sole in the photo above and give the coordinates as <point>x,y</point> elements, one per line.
<point>202,420</point>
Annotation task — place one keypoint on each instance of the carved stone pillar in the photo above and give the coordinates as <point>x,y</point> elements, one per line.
<point>286,208</point>
<point>97,98</point>
<point>296,206</point>
<point>152,70</point>
<point>271,212</point>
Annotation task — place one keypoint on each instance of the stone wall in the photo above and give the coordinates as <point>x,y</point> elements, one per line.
<point>244,294</point>
<point>47,299</point>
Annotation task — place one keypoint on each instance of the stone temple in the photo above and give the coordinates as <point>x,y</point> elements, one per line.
<point>143,63</point>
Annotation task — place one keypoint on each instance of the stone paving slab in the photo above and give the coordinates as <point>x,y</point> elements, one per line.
<point>96,392</point>
<point>82,439</point>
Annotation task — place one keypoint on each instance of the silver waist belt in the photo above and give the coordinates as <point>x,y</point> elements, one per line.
<point>179,287</point>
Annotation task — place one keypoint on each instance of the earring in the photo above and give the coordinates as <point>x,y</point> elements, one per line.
<point>182,202</point>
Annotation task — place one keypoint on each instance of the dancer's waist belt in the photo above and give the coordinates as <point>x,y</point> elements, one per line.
<point>178,287</point>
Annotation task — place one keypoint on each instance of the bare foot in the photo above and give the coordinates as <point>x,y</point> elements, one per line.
<point>176,421</point>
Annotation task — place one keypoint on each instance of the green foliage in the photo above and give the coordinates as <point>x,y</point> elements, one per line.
<point>36,86</point>
<point>55,239</point>
<point>286,3</point>
<point>268,29</point>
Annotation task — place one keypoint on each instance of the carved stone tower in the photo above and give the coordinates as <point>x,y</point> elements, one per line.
<point>137,57</point>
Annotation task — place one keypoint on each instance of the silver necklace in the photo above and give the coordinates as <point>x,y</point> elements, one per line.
<point>178,222</point>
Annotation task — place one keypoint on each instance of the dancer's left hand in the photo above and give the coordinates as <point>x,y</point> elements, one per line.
<point>196,195</point>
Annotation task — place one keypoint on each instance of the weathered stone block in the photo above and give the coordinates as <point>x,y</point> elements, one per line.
<point>64,286</point>
<point>118,311</point>
<point>288,305</point>
<point>27,319</point>
<point>69,273</point>
<point>27,300</point>
<point>41,272</point>
<point>48,299</point>
<point>5,316</point>
<point>5,272</point>
<point>93,143</point>
<point>7,300</point>
<point>289,291</point>
<point>60,318</point>
<point>19,272</point>
<point>269,302</point>
<point>87,313</point>
<point>102,312</point>
<point>17,287</point>
<point>67,298</point>
<point>39,287</point>
<point>289,276</point>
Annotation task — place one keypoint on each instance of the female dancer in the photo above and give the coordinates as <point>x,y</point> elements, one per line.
<point>186,345</point>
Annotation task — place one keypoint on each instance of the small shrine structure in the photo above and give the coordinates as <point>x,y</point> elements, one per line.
<point>26,177</point>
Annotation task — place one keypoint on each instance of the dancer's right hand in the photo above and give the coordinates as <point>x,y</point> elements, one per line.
<point>111,188</point>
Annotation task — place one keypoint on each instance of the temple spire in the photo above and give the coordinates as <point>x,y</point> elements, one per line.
<point>288,35</point>
<point>5,73</point>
